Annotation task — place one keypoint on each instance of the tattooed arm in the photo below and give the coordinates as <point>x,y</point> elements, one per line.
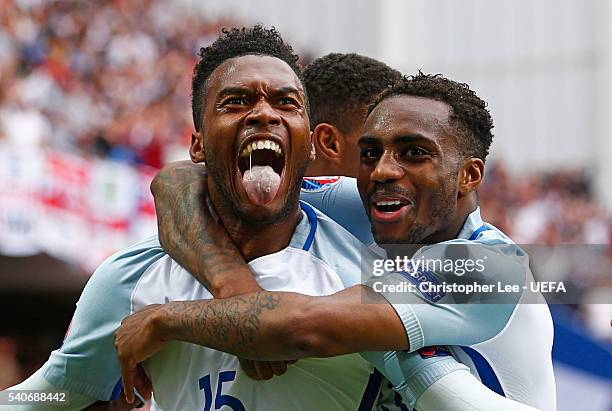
<point>277,325</point>
<point>192,236</point>
<point>281,325</point>
<point>266,326</point>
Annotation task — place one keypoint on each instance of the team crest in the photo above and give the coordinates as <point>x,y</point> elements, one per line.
<point>433,351</point>
<point>319,183</point>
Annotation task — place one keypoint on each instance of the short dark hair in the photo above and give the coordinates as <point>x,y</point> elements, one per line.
<point>340,86</point>
<point>468,113</point>
<point>232,43</point>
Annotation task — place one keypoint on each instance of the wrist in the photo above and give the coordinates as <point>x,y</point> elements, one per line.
<point>163,323</point>
<point>231,286</point>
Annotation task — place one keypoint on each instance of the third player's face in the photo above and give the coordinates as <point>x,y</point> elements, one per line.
<point>256,100</point>
<point>408,175</point>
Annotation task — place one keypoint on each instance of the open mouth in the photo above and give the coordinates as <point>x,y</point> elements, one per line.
<point>389,206</point>
<point>390,210</point>
<point>261,163</point>
<point>262,153</point>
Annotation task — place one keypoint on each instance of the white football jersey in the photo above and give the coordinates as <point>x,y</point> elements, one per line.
<point>322,258</point>
<point>191,377</point>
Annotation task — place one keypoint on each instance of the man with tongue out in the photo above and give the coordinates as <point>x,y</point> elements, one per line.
<point>251,118</point>
<point>422,158</point>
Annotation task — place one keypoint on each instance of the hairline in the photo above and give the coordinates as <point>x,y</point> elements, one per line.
<point>454,127</point>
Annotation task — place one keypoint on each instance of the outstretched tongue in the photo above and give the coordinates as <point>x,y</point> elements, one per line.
<point>261,184</point>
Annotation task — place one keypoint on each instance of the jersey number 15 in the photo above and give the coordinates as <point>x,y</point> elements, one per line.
<point>220,399</point>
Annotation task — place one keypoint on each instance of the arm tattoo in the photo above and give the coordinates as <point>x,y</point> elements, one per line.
<point>232,325</point>
<point>184,225</point>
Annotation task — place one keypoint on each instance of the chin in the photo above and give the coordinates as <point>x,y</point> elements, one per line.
<point>265,214</point>
<point>404,237</point>
<point>382,235</point>
<point>387,239</point>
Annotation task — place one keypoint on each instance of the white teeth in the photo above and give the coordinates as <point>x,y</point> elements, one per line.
<point>260,145</point>
<point>388,203</point>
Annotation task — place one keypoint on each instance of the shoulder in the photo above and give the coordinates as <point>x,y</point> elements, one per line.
<point>116,277</point>
<point>327,192</point>
<point>339,249</point>
<point>330,232</point>
<point>490,258</point>
<point>338,197</point>
<point>87,362</point>
<point>106,297</point>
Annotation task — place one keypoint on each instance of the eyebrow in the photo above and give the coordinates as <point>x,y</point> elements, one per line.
<point>368,140</point>
<point>233,90</point>
<point>405,139</point>
<point>245,90</point>
<point>413,138</point>
<point>287,90</point>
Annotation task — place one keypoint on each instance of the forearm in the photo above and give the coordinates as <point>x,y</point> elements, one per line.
<point>278,326</point>
<point>190,234</point>
<point>460,391</point>
<point>253,326</point>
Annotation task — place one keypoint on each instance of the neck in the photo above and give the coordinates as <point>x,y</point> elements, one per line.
<point>314,169</point>
<point>465,207</point>
<point>318,168</point>
<point>255,240</point>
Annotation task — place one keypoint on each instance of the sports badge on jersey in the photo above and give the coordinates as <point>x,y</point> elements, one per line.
<point>433,351</point>
<point>311,184</point>
<point>423,280</point>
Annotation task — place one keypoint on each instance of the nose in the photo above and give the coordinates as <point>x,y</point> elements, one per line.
<point>387,169</point>
<point>263,114</point>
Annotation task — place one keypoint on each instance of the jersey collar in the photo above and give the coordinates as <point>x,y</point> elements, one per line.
<point>473,224</point>
<point>304,233</point>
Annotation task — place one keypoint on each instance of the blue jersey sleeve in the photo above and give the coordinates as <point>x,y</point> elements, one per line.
<point>339,199</point>
<point>86,362</point>
<point>434,314</point>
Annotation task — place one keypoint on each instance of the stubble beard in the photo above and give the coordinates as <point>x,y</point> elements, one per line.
<point>229,202</point>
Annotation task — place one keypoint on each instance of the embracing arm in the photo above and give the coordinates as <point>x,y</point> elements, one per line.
<point>276,325</point>
<point>190,234</point>
<point>281,325</point>
<point>461,391</point>
<point>268,326</point>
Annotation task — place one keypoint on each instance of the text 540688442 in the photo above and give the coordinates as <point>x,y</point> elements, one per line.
<point>22,397</point>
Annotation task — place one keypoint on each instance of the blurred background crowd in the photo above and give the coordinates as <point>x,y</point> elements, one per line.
<point>109,81</point>
<point>112,80</point>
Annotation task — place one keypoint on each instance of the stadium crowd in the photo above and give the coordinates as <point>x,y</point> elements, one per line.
<point>65,68</point>
<point>555,214</point>
<point>544,208</point>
